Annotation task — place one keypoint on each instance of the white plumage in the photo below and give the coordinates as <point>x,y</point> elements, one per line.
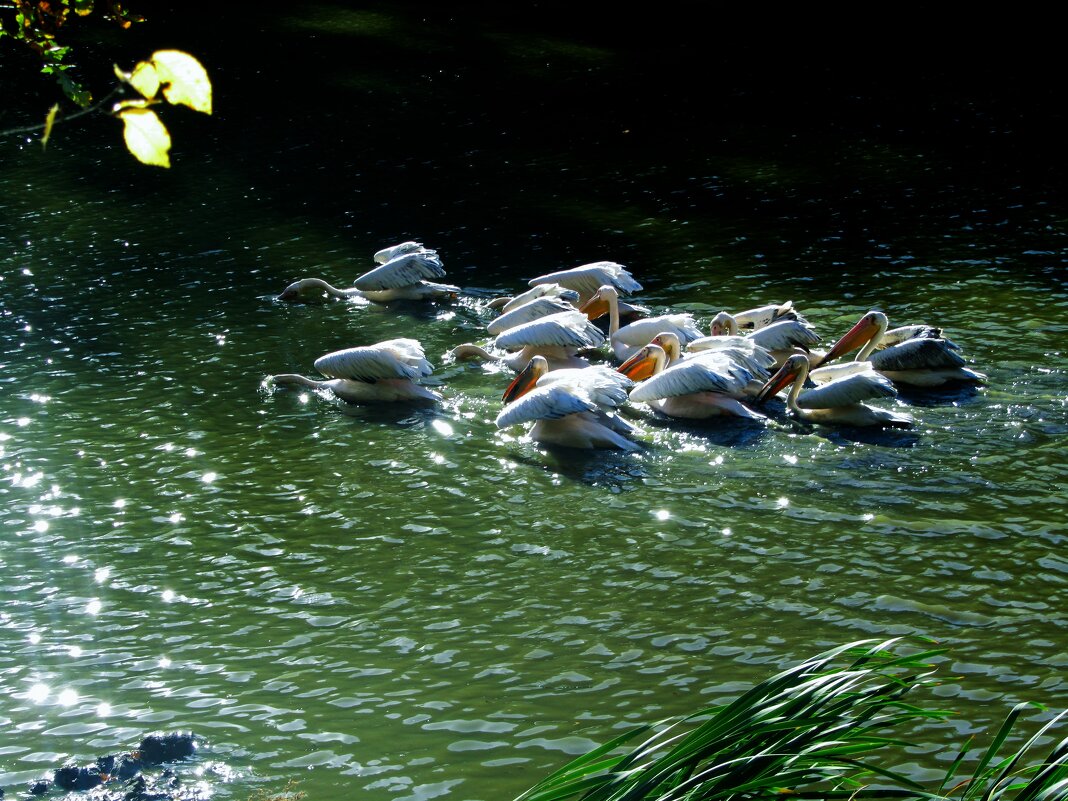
<point>920,360</point>
<point>628,339</point>
<point>839,395</point>
<point>387,371</point>
<point>527,312</point>
<point>588,277</point>
<point>558,337</point>
<point>401,271</point>
<point>569,407</point>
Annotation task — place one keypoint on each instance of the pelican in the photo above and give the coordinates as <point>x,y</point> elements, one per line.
<point>507,304</point>
<point>406,275</point>
<point>696,388</point>
<point>782,338</point>
<point>740,350</point>
<point>755,319</point>
<point>558,337</point>
<point>628,339</point>
<point>569,407</point>
<point>837,398</point>
<point>587,278</point>
<point>920,360</point>
<point>313,290</point>
<point>381,373</point>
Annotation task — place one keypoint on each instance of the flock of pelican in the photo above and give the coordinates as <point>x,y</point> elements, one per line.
<point>576,376</point>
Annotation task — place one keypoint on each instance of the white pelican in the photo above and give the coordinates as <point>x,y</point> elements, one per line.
<point>782,338</point>
<point>507,304</point>
<point>558,337</point>
<point>312,290</point>
<point>755,319</point>
<point>918,361</point>
<point>838,397</point>
<point>587,278</point>
<point>628,339</point>
<point>539,307</point>
<point>740,350</point>
<point>696,388</point>
<point>571,407</point>
<point>381,373</point>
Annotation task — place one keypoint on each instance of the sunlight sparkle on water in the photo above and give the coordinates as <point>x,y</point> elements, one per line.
<point>103,709</point>
<point>75,651</point>
<point>164,662</point>
<point>782,503</point>
<point>40,526</point>
<point>867,517</point>
<point>209,477</point>
<point>726,532</point>
<point>662,514</point>
<point>93,607</point>
<point>68,697</point>
<point>789,458</point>
<point>101,574</point>
<point>176,518</point>
<point>190,452</point>
<point>22,422</point>
<point>120,503</point>
<point>38,693</point>
<point>442,427</point>
<point>34,638</point>
<point>168,595</point>
<point>717,461</point>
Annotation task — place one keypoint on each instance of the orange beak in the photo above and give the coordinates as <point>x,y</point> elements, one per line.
<point>642,365</point>
<point>778,382</point>
<point>594,307</point>
<point>855,337</point>
<point>523,383</point>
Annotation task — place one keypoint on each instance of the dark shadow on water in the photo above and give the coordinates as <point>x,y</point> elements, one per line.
<point>727,432</point>
<point>618,470</point>
<point>957,394</point>
<point>409,414</point>
<point>884,437</point>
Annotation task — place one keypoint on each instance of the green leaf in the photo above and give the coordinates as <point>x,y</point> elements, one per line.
<point>146,136</point>
<point>184,79</point>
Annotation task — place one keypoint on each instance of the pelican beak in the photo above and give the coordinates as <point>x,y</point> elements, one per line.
<point>641,365</point>
<point>498,303</point>
<point>594,307</point>
<point>777,383</point>
<point>522,383</point>
<point>855,337</point>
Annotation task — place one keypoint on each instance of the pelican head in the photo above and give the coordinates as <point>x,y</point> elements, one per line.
<point>300,291</point>
<point>671,344</point>
<point>600,302</point>
<point>647,362</point>
<point>786,375</point>
<point>527,378</point>
<point>723,324</point>
<point>871,325</point>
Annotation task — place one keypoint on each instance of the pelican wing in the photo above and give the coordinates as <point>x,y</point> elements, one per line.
<point>641,332</point>
<point>394,358</point>
<point>545,403</point>
<point>833,372</point>
<point>570,329</point>
<point>847,391</point>
<point>756,363</point>
<point>737,344</point>
<point>533,310</point>
<point>541,291</point>
<point>693,375</point>
<point>403,270</point>
<point>386,254</point>
<point>784,335</point>
<point>589,277</point>
<point>917,354</point>
<point>606,387</point>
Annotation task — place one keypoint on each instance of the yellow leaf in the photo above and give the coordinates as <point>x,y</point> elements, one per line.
<point>146,137</point>
<point>184,79</point>
<point>49,122</point>
<point>144,79</point>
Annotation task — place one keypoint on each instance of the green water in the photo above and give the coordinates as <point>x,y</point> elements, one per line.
<point>410,602</point>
